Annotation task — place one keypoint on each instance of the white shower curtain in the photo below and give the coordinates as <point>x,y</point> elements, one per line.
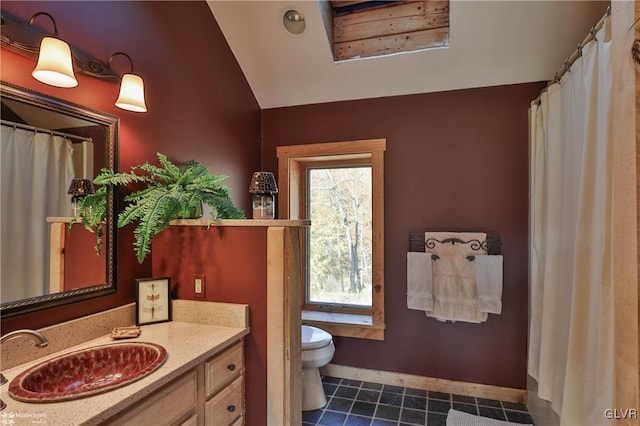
<point>36,170</point>
<point>571,335</point>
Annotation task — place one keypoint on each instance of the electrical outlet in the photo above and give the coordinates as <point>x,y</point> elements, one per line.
<point>199,286</point>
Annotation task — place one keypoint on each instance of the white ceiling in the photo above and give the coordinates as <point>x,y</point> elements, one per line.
<point>491,43</point>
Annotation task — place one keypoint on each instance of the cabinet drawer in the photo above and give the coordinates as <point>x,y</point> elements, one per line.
<point>172,403</point>
<point>223,368</point>
<point>226,406</point>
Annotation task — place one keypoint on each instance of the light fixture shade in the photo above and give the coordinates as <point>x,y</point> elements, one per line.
<point>55,66</point>
<point>81,187</point>
<point>263,183</point>
<point>131,95</point>
<point>294,22</point>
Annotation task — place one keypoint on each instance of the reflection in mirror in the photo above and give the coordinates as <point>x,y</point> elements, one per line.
<point>46,143</point>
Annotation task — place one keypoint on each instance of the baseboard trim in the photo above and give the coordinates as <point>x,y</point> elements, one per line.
<point>427,383</point>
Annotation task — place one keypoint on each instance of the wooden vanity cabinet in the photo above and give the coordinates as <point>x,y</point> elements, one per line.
<point>211,394</point>
<point>172,404</point>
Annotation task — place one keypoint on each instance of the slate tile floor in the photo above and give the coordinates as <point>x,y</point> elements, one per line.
<point>355,403</point>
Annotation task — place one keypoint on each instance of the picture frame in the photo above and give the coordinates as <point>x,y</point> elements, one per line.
<point>153,300</point>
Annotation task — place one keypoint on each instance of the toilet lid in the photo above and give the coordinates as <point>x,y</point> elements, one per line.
<point>314,338</point>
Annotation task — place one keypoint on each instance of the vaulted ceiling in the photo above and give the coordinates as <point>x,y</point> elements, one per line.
<point>490,43</point>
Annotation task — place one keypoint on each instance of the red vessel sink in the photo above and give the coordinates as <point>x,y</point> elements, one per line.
<point>87,372</point>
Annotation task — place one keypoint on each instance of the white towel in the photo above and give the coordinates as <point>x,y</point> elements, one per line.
<point>459,418</point>
<point>455,297</point>
<point>489,283</point>
<point>419,281</point>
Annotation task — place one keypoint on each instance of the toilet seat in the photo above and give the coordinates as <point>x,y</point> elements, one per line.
<point>314,338</point>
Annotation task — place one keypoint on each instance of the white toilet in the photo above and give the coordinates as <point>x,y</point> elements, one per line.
<point>317,351</point>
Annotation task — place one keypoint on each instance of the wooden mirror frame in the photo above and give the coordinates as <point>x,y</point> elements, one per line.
<point>111,122</point>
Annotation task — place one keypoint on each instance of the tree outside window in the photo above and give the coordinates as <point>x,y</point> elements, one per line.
<point>340,246</point>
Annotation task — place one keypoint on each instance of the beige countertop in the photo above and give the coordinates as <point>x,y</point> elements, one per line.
<point>187,345</point>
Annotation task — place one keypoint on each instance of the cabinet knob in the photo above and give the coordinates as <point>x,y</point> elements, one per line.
<point>231,408</point>
<point>231,367</point>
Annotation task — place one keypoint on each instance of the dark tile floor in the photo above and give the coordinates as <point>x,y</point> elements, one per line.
<point>355,403</point>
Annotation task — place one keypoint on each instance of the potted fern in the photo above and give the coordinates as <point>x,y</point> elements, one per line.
<point>167,192</point>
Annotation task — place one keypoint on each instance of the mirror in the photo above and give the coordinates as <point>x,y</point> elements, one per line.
<point>43,264</point>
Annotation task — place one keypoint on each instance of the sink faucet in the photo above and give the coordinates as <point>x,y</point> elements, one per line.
<point>40,340</point>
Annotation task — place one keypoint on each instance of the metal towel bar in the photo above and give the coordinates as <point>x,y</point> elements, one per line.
<point>492,243</point>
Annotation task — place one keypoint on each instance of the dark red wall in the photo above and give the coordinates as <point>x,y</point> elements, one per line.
<point>200,105</point>
<point>454,160</point>
<point>234,262</point>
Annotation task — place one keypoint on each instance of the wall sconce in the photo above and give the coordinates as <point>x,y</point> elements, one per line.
<point>57,60</point>
<point>55,66</point>
<point>78,189</point>
<point>263,187</point>
<point>131,95</point>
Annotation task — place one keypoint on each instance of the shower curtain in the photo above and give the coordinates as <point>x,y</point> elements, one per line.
<point>571,334</point>
<point>36,170</point>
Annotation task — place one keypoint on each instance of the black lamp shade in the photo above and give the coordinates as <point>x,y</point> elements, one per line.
<point>263,183</point>
<point>81,187</point>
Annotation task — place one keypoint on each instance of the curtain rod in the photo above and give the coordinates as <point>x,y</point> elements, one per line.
<point>42,130</point>
<point>575,55</point>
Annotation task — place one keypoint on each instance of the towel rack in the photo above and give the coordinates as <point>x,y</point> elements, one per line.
<point>492,243</point>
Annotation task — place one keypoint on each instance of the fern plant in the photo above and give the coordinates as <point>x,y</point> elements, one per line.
<point>167,192</point>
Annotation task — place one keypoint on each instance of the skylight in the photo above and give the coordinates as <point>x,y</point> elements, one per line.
<point>363,29</point>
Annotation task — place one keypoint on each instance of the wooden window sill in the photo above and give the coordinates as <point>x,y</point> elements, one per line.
<point>346,325</point>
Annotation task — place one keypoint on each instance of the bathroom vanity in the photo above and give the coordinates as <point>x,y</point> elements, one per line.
<point>201,382</point>
<point>212,393</point>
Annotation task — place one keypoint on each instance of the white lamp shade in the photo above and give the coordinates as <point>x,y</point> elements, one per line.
<point>55,66</point>
<point>131,95</point>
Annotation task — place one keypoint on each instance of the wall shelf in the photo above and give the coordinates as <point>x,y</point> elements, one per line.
<point>241,222</point>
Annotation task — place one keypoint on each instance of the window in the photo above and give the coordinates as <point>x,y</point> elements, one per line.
<point>339,186</point>
<point>338,202</point>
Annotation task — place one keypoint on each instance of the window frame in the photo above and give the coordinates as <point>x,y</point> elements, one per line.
<point>293,160</point>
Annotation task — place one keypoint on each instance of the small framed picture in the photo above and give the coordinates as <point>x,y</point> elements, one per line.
<point>153,300</point>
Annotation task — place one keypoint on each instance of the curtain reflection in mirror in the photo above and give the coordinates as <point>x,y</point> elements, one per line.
<point>36,169</point>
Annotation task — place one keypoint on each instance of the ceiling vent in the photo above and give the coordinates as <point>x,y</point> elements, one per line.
<point>364,29</point>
